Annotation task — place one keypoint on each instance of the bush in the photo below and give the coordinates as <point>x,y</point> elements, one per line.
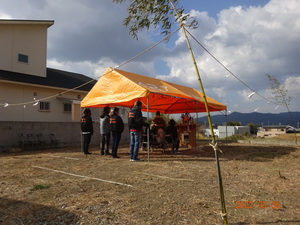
<point>237,137</point>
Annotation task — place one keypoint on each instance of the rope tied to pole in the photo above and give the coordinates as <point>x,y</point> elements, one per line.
<point>223,215</point>
<point>215,146</point>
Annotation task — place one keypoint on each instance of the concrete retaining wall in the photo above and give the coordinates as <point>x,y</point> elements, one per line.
<point>66,133</point>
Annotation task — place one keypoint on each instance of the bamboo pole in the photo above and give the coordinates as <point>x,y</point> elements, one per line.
<point>213,143</point>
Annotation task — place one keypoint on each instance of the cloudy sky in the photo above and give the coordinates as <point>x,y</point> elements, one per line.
<point>251,38</point>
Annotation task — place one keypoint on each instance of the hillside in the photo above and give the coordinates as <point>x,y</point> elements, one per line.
<point>291,119</point>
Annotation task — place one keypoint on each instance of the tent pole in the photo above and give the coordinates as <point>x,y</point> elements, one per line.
<point>213,143</point>
<point>226,125</point>
<point>148,131</point>
<point>197,131</point>
<point>81,135</point>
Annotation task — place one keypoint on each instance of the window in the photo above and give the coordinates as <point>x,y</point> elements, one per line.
<point>67,107</point>
<point>23,58</point>
<point>44,106</point>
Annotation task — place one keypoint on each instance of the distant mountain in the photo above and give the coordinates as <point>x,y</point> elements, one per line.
<point>292,119</point>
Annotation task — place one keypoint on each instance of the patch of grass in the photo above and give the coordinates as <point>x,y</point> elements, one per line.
<point>40,187</point>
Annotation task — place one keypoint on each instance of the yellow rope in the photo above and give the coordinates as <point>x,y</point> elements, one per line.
<point>215,146</point>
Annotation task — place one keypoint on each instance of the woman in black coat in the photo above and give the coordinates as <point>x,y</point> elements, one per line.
<point>87,130</point>
<point>172,131</point>
<point>117,128</point>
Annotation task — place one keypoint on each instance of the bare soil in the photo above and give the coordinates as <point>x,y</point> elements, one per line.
<point>62,186</point>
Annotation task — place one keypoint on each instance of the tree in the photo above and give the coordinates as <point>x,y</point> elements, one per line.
<point>253,128</point>
<point>280,94</point>
<point>155,13</point>
<point>233,123</point>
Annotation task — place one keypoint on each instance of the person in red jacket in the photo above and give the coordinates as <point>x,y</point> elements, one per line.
<point>158,122</point>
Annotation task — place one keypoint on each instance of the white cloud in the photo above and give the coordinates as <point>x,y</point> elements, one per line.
<point>3,15</point>
<point>250,42</point>
<point>88,68</point>
<point>248,95</point>
<point>292,85</point>
<point>220,92</point>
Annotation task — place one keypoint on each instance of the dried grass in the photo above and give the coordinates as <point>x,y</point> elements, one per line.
<point>170,189</point>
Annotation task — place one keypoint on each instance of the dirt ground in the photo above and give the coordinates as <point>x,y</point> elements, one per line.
<point>62,186</point>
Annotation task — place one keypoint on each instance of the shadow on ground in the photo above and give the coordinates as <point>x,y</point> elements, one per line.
<point>20,212</point>
<point>256,153</point>
<point>240,152</point>
<point>279,222</point>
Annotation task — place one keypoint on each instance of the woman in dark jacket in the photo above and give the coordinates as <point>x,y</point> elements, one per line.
<point>86,129</point>
<point>117,128</point>
<point>172,131</point>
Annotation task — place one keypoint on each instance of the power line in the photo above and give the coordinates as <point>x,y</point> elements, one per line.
<point>253,91</point>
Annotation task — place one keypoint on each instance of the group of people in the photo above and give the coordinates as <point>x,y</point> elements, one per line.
<point>111,124</point>
<point>164,131</point>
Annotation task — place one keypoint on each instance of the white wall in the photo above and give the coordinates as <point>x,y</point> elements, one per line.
<point>232,130</point>
<point>29,40</point>
<point>208,132</point>
<point>17,96</point>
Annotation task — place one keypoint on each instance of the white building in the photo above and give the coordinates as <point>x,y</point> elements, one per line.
<point>36,100</point>
<point>29,91</point>
<point>208,132</point>
<point>271,131</point>
<point>227,131</point>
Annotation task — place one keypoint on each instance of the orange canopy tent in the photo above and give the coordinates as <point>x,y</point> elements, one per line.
<point>121,88</point>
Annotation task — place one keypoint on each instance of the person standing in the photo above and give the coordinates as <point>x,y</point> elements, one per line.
<point>117,128</point>
<point>136,123</point>
<point>87,130</point>
<point>172,131</point>
<point>105,131</point>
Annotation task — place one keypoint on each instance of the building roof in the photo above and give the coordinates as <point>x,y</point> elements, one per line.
<point>274,126</point>
<point>55,78</point>
<point>48,23</point>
